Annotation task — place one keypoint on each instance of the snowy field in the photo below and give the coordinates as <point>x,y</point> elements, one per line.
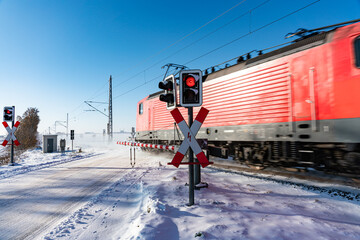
<point>96,194</point>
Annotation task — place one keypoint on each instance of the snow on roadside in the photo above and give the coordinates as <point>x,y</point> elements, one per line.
<point>35,159</point>
<point>149,202</point>
<point>92,220</point>
<point>32,160</point>
<point>236,206</point>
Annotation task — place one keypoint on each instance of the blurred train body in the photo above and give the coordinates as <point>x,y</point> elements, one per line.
<point>297,105</point>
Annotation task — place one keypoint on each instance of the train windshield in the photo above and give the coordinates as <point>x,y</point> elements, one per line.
<point>357,52</point>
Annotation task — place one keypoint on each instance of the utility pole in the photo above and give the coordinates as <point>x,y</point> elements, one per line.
<point>110,115</point>
<point>110,124</point>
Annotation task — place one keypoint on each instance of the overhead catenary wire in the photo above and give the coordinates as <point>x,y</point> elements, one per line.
<point>224,45</point>
<point>252,32</point>
<point>207,35</point>
<point>94,95</point>
<point>174,43</point>
<point>212,32</point>
<point>242,55</point>
<point>73,116</point>
<point>143,84</point>
<point>99,91</point>
<point>83,103</point>
<point>220,47</point>
<point>183,38</point>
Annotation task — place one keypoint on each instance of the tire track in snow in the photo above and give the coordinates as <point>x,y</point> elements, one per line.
<point>81,220</point>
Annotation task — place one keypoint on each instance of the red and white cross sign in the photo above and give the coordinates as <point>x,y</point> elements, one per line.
<point>189,135</point>
<point>11,133</point>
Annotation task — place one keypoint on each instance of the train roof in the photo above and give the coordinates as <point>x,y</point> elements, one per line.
<point>314,40</point>
<point>294,47</point>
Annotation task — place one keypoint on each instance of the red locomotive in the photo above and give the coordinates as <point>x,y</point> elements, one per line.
<point>297,105</point>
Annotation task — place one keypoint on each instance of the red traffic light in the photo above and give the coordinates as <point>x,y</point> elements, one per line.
<point>190,81</point>
<point>190,88</point>
<point>8,113</point>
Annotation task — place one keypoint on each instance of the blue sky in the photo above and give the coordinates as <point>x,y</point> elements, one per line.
<point>54,55</point>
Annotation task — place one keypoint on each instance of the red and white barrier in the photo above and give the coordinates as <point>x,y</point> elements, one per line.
<point>147,145</point>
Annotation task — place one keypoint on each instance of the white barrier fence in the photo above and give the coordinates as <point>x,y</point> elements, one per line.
<point>148,145</point>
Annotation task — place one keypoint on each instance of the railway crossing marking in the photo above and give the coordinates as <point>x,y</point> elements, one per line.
<point>11,133</point>
<point>189,137</point>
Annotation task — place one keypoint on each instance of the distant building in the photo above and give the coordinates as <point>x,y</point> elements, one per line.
<point>49,143</point>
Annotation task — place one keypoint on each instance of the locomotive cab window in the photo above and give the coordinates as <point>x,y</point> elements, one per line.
<point>141,109</point>
<point>357,51</point>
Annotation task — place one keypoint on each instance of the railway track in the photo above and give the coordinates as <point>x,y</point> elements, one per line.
<point>345,186</point>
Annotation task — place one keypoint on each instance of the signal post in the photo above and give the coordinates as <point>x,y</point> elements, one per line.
<point>191,96</point>
<point>9,116</point>
<point>190,82</point>
<point>72,133</point>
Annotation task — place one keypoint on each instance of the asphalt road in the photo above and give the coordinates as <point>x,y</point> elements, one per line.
<point>31,204</point>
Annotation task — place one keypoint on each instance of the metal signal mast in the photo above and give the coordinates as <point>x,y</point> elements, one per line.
<point>110,123</point>
<point>110,115</point>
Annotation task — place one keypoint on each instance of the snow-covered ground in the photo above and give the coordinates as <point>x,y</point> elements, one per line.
<point>96,194</point>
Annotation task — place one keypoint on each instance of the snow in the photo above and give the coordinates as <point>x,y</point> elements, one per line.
<point>150,200</point>
<point>32,160</point>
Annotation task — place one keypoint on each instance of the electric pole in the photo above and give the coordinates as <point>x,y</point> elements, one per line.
<point>110,115</point>
<point>110,124</point>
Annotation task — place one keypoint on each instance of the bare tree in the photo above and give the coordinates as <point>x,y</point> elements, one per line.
<point>27,132</point>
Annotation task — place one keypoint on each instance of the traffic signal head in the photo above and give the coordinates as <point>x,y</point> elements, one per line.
<point>8,114</point>
<point>169,85</point>
<point>72,134</point>
<point>190,88</point>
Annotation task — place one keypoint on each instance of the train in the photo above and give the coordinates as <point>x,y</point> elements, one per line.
<point>297,105</point>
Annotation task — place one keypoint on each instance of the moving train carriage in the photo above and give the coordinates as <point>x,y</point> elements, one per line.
<point>297,105</point>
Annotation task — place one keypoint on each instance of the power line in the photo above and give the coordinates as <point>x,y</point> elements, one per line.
<point>222,46</point>
<point>81,104</point>
<point>157,77</point>
<point>256,30</point>
<point>94,95</point>
<point>237,18</point>
<point>174,43</point>
<point>184,37</point>
<point>238,4</point>
<point>263,3</point>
